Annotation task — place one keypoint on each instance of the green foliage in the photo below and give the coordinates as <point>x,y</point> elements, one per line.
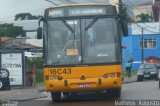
<point>144,17</point>
<point>26,16</point>
<point>38,61</point>
<point>133,73</point>
<point>39,76</point>
<point>10,30</point>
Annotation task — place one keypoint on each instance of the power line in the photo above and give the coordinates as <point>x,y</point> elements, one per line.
<point>5,18</point>
<point>92,1</point>
<point>70,1</point>
<point>52,2</point>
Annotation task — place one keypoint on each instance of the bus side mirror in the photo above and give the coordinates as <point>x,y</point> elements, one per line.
<point>39,33</point>
<point>39,29</point>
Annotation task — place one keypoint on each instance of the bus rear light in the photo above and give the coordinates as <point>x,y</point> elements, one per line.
<point>47,77</point>
<point>112,75</point>
<point>118,74</point>
<point>59,78</point>
<point>105,75</point>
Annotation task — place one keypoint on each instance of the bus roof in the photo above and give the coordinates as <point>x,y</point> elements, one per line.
<point>90,4</point>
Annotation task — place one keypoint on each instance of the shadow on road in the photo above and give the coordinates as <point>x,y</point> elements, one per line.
<point>92,99</point>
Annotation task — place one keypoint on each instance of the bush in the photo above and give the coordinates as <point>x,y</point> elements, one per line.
<point>39,75</point>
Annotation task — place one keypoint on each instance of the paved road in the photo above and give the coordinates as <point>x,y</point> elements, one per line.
<point>147,90</point>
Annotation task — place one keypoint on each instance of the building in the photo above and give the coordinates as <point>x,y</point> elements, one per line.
<point>133,44</point>
<point>27,43</point>
<point>145,8</point>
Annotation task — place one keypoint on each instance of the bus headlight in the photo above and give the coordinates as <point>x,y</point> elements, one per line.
<point>47,77</point>
<point>59,78</point>
<point>52,77</point>
<point>105,75</point>
<point>112,75</point>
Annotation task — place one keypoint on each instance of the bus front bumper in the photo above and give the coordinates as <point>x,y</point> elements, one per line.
<point>89,84</point>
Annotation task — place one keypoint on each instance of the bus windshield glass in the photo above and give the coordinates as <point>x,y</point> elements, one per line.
<point>82,41</point>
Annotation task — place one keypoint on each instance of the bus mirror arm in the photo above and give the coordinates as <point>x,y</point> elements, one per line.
<point>39,29</point>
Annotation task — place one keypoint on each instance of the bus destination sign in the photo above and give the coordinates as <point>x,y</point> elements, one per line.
<point>87,11</point>
<point>79,11</point>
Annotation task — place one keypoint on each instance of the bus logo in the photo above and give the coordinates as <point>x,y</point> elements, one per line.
<point>82,77</point>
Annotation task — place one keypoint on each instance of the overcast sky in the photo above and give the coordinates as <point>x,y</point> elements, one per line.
<point>9,8</point>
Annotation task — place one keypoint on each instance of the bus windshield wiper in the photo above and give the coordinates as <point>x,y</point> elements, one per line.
<point>91,23</point>
<point>68,26</point>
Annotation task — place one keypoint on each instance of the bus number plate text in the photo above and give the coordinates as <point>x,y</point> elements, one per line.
<point>60,71</point>
<point>84,85</point>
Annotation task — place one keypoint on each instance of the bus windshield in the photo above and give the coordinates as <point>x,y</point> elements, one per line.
<point>82,41</point>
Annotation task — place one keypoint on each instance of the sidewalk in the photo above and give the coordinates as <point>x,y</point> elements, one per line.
<point>22,94</point>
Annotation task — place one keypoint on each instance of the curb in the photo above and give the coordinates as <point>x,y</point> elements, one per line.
<point>41,90</point>
<point>126,82</point>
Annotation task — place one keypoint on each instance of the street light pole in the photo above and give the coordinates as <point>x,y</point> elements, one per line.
<point>142,50</point>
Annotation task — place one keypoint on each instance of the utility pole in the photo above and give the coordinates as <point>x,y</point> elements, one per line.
<point>159,21</point>
<point>120,7</point>
<point>142,47</point>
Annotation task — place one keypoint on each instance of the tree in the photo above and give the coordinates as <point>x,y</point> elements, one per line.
<point>26,16</point>
<point>144,17</point>
<point>11,31</point>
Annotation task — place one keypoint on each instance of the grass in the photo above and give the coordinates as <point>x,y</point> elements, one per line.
<point>133,73</point>
<point>40,84</point>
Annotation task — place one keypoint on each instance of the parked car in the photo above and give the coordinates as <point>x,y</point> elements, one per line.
<point>158,67</point>
<point>4,80</point>
<point>159,79</point>
<point>147,71</point>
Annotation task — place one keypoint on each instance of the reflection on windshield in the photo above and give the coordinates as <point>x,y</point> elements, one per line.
<point>100,41</point>
<point>82,41</point>
<point>63,44</point>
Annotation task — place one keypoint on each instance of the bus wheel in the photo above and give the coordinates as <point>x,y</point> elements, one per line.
<point>115,93</point>
<point>56,96</point>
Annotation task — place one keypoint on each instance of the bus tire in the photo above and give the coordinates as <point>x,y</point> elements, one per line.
<point>56,96</point>
<point>115,93</point>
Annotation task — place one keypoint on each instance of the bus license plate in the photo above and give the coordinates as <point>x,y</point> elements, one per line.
<point>84,85</point>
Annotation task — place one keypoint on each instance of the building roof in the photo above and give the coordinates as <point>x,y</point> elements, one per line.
<point>35,42</point>
<point>149,28</point>
<point>5,38</point>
